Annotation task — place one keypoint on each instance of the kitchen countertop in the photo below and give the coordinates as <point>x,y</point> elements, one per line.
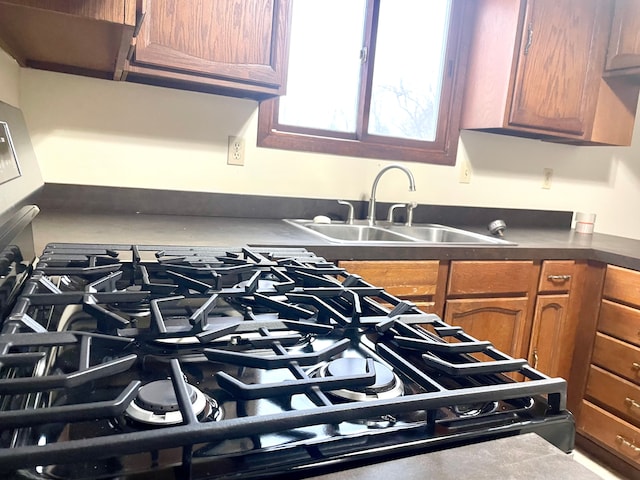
<point>534,243</point>
<point>521,457</point>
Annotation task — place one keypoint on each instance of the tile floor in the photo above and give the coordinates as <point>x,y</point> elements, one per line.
<point>595,467</point>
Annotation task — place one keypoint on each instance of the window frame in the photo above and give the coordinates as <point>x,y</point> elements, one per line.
<point>442,151</point>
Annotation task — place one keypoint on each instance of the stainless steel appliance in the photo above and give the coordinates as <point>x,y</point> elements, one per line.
<point>128,361</point>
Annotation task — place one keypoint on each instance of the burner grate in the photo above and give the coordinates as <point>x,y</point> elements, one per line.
<point>256,330</point>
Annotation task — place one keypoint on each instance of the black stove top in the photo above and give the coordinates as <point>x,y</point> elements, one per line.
<point>125,361</point>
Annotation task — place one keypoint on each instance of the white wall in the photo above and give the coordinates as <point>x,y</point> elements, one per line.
<point>9,76</point>
<point>97,132</point>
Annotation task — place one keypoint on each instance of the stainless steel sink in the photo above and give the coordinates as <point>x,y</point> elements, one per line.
<point>345,233</point>
<point>394,234</point>
<point>433,233</point>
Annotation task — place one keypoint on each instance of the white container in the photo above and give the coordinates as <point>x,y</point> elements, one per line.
<point>585,222</point>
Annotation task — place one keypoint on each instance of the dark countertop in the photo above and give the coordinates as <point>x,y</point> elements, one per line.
<point>526,457</point>
<point>532,243</point>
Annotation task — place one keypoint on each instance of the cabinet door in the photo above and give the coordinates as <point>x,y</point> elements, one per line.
<point>550,348</point>
<point>624,43</point>
<point>421,282</point>
<point>559,67</point>
<point>502,321</point>
<point>237,40</point>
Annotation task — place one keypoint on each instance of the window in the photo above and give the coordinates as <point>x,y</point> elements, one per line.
<point>372,78</point>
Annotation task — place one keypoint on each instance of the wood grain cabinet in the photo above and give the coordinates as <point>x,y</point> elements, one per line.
<point>610,412</point>
<point>624,43</point>
<point>234,47</point>
<point>88,37</point>
<point>553,330</point>
<point>536,70</point>
<point>421,282</point>
<point>493,300</point>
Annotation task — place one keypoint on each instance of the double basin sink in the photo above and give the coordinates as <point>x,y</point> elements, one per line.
<point>385,233</point>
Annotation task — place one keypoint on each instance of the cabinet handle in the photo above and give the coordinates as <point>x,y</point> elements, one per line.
<point>529,38</point>
<point>635,366</point>
<point>631,403</point>
<point>364,55</point>
<point>628,443</point>
<point>559,278</point>
<point>535,359</point>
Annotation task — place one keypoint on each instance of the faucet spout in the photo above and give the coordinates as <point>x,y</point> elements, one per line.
<point>371,213</point>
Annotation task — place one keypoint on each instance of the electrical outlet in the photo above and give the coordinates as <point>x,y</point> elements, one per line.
<point>235,153</point>
<point>547,177</point>
<point>465,172</point>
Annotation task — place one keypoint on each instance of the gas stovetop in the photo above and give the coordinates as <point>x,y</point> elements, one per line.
<point>125,361</point>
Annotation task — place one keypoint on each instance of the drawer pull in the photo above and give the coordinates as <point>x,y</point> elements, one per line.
<point>635,366</point>
<point>535,358</point>
<point>627,443</point>
<point>631,403</point>
<point>559,278</point>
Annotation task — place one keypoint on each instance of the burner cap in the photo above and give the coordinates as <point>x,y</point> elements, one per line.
<point>159,397</point>
<point>156,403</point>
<point>386,385</point>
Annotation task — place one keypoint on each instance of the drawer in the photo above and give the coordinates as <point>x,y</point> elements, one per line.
<point>399,278</point>
<point>510,277</point>
<point>610,431</point>
<point>617,356</point>
<point>615,393</point>
<point>556,276</point>
<point>620,321</point>
<point>622,285</point>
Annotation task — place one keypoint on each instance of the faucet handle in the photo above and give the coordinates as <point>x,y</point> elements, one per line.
<point>350,216</point>
<point>410,207</point>
<point>392,208</point>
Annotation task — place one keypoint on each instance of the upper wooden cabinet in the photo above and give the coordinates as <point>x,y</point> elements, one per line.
<point>88,37</point>
<point>536,70</point>
<point>234,47</point>
<point>624,43</point>
<point>229,47</point>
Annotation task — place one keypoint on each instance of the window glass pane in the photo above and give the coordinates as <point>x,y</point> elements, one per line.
<point>409,60</point>
<point>324,65</point>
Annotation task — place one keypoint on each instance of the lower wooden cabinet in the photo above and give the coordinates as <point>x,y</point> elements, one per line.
<point>548,333</point>
<point>419,281</point>
<point>554,319</point>
<point>502,321</point>
<point>609,415</point>
<point>608,430</point>
<point>577,320</point>
<point>620,396</point>
<point>493,300</point>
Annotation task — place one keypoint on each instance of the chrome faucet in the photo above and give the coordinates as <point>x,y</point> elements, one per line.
<point>371,215</point>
